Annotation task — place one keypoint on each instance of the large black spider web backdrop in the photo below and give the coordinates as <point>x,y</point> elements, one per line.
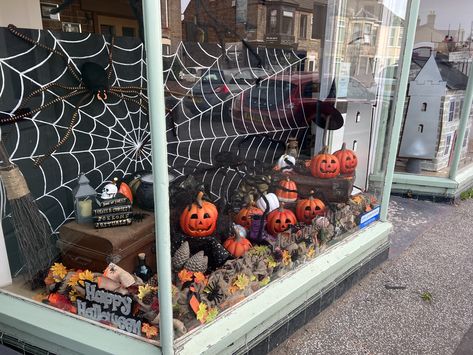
<point>106,138</point>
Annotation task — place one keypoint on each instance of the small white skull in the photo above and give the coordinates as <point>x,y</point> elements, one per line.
<point>109,191</point>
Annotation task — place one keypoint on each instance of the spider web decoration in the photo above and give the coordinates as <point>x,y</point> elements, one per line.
<point>219,100</point>
<point>105,143</point>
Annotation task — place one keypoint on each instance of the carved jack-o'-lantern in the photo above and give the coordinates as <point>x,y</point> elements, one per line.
<point>246,214</point>
<point>279,220</point>
<point>348,160</point>
<point>308,209</point>
<point>325,165</point>
<point>288,192</point>
<point>199,219</point>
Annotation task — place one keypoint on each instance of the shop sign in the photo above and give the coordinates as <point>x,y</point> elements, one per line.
<point>108,307</point>
<point>370,217</point>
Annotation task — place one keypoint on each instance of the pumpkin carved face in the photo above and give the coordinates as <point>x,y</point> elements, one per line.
<point>348,160</point>
<point>308,209</point>
<point>199,219</point>
<point>237,245</point>
<point>283,194</point>
<point>279,220</point>
<point>244,217</point>
<point>325,165</point>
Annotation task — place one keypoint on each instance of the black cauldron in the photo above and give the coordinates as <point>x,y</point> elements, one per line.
<point>144,193</point>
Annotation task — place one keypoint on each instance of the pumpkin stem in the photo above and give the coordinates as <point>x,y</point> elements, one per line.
<point>324,150</point>
<point>344,146</point>
<point>198,199</point>
<point>251,200</point>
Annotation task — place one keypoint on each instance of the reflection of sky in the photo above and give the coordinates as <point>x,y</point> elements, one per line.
<point>184,4</point>
<point>448,13</point>
<point>398,7</point>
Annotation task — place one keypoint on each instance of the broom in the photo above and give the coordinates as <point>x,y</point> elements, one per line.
<point>31,229</point>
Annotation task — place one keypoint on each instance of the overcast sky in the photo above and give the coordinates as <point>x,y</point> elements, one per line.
<point>451,12</point>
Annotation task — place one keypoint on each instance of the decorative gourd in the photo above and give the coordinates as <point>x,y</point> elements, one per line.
<point>285,163</point>
<point>237,244</point>
<point>280,220</point>
<point>245,215</point>
<point>348,160</point>
<point>325,165</point>
<point>309,208</point>
<point>125,190</point>
<point>199,219</point>
<point>272,200</point>
<point>287,196</point>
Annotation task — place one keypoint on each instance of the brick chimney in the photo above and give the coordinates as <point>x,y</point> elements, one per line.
<point>431,19</point>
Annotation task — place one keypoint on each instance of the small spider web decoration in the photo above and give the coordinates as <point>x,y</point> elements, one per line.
<point>107,140</point>
<point>202,123</point>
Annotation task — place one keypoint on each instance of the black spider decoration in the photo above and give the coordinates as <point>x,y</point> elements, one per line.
<point>92,81</point>
<point>213,292</point>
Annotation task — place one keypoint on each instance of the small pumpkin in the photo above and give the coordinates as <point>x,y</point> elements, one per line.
<point>348,160</point>
<point>272,201</point>
<point>284,195</point>
<point>245,215</point>
<point>279,220</point>
<point>325,165</point>
<point>125,190</point>
<point>309,208</point>
<point>199,219</point>
<point>237,244</point>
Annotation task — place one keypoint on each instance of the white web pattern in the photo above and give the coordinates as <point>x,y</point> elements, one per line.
<point>205,118</point>
<point>107,137</point>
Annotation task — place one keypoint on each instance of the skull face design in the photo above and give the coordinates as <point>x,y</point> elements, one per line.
<point>109,191</point>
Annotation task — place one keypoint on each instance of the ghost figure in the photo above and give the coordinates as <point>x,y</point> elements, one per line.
<point>109,191</point>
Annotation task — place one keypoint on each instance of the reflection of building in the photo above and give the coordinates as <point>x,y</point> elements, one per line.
<point>428,33</point>
<point>287,24</point>
<point>116,17</point>
<point>436,94</point>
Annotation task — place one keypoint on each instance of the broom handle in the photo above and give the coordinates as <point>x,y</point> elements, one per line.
<point>4,155</point>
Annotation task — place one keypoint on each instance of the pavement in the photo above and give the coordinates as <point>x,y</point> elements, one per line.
<point>417,302</point>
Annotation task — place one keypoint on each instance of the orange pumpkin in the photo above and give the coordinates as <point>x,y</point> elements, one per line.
<point>325,165</point>
<point>284,195</point>
<point>237,244</point>
<point>279,220</point>
<point>348,160</point>
<point>244,216</point>
<point>199,219</point>
<point>126,191</point>
<point>309,208</point>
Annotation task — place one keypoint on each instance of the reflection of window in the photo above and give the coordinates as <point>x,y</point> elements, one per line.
<point>448,143</point>
<point>399,37</point>
<point>341,30</point>
<point>303,27</point>
<point>465,140</point>
<point>166,48</point>
<point>311,65</point>
<point>164,13</point>
<point>367,33</point>
<point>287,22</point>
<point>451,111</point>
<point>424,107</point>
<point>392,37</point>
<point>310,90</point>
<point>129,32</point>
<point>273,21</point>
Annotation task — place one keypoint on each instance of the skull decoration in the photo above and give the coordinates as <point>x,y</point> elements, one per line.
<point>109,191</point>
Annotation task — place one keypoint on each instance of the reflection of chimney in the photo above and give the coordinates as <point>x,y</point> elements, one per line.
<point>418,21</point>
<point>431,19</point>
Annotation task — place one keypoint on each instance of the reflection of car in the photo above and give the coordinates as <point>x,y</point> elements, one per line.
<point>285,100</point>
<point>191,74</point>
<point>216,87</point>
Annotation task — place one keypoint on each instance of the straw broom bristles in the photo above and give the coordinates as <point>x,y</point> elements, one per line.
<point>31,229</point>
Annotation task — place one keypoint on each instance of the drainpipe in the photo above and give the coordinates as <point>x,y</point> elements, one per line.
<point>153,40</point>
<point>464,117</point>
<point>399,108</point>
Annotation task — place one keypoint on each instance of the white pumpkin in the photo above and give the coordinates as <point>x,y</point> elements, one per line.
<point>272,200</point>
<point>283,164</point>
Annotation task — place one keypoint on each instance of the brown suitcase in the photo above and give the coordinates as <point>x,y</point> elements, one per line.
<point>84,247</point>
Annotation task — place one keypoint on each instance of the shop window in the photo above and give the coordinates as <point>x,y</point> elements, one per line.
<point>273,21</point>
<point>448,144</point>
<point>303,27</point>
<point>287,22</point>
<point>451,110</point>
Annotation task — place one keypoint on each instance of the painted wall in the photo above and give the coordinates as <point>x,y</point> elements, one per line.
<point>21,13</point>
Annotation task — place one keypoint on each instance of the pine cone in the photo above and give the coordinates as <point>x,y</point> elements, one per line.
<point>148,298</point>
<point>197,263</point>
<point>181,256</point>
<point>153,281</point>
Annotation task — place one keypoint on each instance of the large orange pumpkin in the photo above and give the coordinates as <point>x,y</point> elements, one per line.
<point>325,165</point>
<point>199,219</point>
<point>284,195</point>
<point>245,215</point>
<point>279,220</point>
<point>237,244</point>
<point>309,208</point>
<point>348,160</point>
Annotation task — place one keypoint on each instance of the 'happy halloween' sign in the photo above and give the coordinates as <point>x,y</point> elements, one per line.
<point>109,307</point>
